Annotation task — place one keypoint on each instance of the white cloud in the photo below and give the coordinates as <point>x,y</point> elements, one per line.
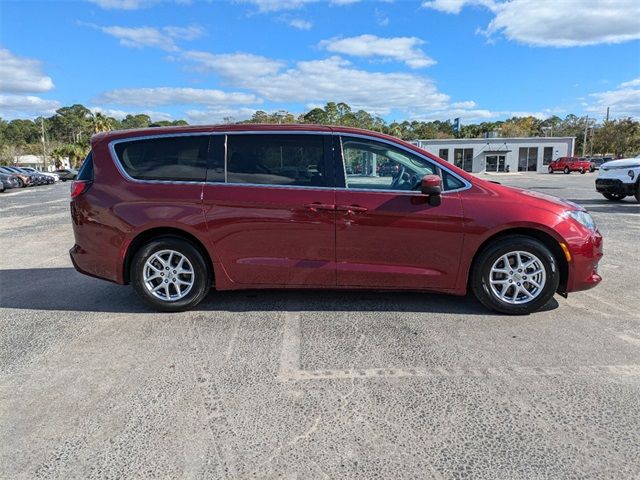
<point>120,114</point>
<point>233,64</point>
<point>174,96</point>
<point>219,115</point>
<point>279,5</point>
<point>300,24</point>
<point>185,33</point>
<point>403,49</point>
<point>22,75</point>
<point>333,79</point>
<point>454,6</point>
<point>21,106</point>
<point>568,23</point>
<point>624,101</point>
<point>564,23</point>
<point>139,37</point>
<point>131,4</point>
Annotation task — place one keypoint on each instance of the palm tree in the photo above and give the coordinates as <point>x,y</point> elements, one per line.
<point>101,123</point>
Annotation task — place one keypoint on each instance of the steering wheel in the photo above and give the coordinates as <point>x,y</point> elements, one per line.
<point>416,182</point>
<point>398,178</point>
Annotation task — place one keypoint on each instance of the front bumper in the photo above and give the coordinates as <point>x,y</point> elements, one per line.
<point>614,185</point>
<point>583,268</point>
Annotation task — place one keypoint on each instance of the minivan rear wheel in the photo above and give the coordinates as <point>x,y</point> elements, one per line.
<point>516,275</point>
<point>170,274</point>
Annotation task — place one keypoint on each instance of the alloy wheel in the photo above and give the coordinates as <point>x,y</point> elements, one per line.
<point>517,277</point>
<point>168,275</point>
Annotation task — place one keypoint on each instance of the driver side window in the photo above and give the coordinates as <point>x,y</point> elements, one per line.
<point>378,166</point>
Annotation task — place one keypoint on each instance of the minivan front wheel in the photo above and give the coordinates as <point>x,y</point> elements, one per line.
<point>516,275</point>
<point>170,274</point>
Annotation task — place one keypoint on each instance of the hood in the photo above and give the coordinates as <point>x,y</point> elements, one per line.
<point>534,198</point>
<point>622,163</point>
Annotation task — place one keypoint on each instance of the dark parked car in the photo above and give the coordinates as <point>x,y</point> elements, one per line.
<point>67,174</point>
<point>176,211</point>
<point>8,181</point>
<point>35,178</point>
<point>49,177</point>
<point>596,162</point>
<point>24,180</point>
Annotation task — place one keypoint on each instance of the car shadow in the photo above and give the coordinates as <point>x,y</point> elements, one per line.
<point>65,289</point>
<point>602,205</point>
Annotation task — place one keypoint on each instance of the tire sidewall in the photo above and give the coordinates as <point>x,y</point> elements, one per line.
<point>202,283</point>
<point>480,276</point>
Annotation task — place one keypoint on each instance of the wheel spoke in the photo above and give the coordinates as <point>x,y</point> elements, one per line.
<point>517,277</point>
<point>176,281</point>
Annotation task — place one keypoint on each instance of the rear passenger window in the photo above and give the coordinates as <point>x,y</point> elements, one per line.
<point>167,158</point>
<point>277,160</point>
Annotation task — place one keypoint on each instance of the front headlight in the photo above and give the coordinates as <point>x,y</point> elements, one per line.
<point>583,218</point>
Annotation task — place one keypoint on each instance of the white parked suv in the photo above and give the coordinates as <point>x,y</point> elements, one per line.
<point>619,178</point>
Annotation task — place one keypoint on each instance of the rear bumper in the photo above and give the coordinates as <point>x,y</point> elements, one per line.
<point>614,185</point>
<point>583,268</point>
<point>82,262</point>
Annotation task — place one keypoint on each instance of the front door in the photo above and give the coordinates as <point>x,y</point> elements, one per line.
<point>272,222</point>
<point>387,235</point>
<point>495,163</point>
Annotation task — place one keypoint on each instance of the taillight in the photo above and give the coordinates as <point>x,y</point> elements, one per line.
<point>78,187</point>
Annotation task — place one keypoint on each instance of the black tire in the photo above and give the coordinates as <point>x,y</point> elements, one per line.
<point>550,170</point>
<point>592,169</point>
<point>637,194</point>
<point>566,170</point>
<point>21,184</point>
<point>614,197</point>
<point>582,171</point>
<point>63,179</point>
<point>480,274</point>
<point>201,281</point>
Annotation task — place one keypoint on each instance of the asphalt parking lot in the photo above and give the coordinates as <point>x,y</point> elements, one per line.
<point>313,384</point>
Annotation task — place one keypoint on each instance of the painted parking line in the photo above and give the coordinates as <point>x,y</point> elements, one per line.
<point>290,365</point>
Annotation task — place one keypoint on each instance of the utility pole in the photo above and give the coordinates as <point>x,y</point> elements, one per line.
<point>584,143</point>
<point>44,146</point>
<point>607,119</point>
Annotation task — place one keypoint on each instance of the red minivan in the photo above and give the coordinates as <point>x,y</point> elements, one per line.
<point>176,211</point>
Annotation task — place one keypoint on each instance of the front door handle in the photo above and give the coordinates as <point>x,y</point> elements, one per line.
<point>351,209</point>
<point>317,206</point>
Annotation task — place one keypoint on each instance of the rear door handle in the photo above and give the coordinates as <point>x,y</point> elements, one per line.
<point>317,206</point>
<point>351,208</point>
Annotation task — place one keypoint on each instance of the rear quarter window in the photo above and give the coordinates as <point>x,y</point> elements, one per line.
<point>86,170</point>
<point>181,158</point>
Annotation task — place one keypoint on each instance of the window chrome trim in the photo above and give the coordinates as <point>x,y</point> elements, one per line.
<point>116,160</point>
<point>467,184</point>
<point>268,185</point>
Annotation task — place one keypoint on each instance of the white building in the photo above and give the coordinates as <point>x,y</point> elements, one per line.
<point>531,154</point>
<point>37,162</point>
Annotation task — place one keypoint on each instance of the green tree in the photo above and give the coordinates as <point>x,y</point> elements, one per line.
<point>136,121</point>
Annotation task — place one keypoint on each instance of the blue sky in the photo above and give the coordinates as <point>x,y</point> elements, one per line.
<point>431,59</point>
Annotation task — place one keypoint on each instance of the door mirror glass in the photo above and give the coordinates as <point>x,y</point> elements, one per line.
<point>431,186</point>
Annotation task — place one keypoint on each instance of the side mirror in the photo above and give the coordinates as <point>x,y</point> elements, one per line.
<point>431,186</point>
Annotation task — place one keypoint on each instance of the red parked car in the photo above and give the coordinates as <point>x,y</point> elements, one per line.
<point>176,211</point>
<point>570,164</point>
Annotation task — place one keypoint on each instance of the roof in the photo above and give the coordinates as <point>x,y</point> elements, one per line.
<point>245,127</point>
